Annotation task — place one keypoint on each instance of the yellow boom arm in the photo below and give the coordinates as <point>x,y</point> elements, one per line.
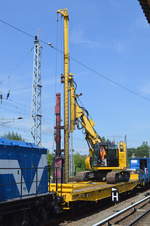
<point>79,113</point>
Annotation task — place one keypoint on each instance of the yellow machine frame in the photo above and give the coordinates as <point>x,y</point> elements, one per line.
<point>85,191</point>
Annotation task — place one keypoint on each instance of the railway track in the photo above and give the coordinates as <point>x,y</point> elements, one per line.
<point>89,214</point>
<point>128,216</point>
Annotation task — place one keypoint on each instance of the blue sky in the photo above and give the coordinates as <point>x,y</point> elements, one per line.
<point>111,36</point>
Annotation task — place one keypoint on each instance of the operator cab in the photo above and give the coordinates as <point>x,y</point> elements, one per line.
<point>106,155</point>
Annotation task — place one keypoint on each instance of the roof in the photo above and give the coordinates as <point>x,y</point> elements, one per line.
<point>145,4</point>
<point>7,142</point>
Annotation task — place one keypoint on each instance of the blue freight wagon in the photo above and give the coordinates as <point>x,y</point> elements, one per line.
<point>24,196</point>
<point>142,165</point>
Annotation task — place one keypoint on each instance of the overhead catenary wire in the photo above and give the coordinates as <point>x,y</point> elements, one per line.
<point>18,130</point>
<point>10,75</point>
<point>110,80</point>
<point>16,110</point>
<point>11,90</point>
<point>11,102</point>
<point>79,62</point>
<point>18,106</point>
<point>16,28</point>
<point>23,32</point>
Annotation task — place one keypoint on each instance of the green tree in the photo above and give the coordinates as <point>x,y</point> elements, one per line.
<point>141,151</point>
<point>50,157</point>
<point>131,152</point>
<point>79,162</point>
<point>106,140</point>
<point>13,136</point>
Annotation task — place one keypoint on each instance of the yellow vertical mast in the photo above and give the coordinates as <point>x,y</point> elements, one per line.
<point>64,13</point>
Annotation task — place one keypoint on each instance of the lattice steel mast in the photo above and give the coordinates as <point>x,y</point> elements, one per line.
<point>36,93</point>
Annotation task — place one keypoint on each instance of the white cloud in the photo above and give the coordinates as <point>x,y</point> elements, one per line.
<point>51,82</point>
<point>141,23</point>
<point>47,130</point>
<point>145,90</point>
<point>114,3</point>
<point>80,37</point>
<point>118,46</point>
<point>49,144</point>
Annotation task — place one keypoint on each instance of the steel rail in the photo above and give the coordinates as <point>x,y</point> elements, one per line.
<point>107,219</point>
<point>139,218</point>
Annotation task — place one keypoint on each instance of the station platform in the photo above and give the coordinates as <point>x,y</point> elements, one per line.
<point>90,191</point>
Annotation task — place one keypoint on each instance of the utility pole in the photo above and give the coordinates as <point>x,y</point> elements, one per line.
<point>64,13</point>
<point>36,93</point>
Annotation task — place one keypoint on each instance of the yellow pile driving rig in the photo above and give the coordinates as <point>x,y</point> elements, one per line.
<point>106,161</point>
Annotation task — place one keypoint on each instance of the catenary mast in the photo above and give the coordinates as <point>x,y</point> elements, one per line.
<point>36,93</point>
